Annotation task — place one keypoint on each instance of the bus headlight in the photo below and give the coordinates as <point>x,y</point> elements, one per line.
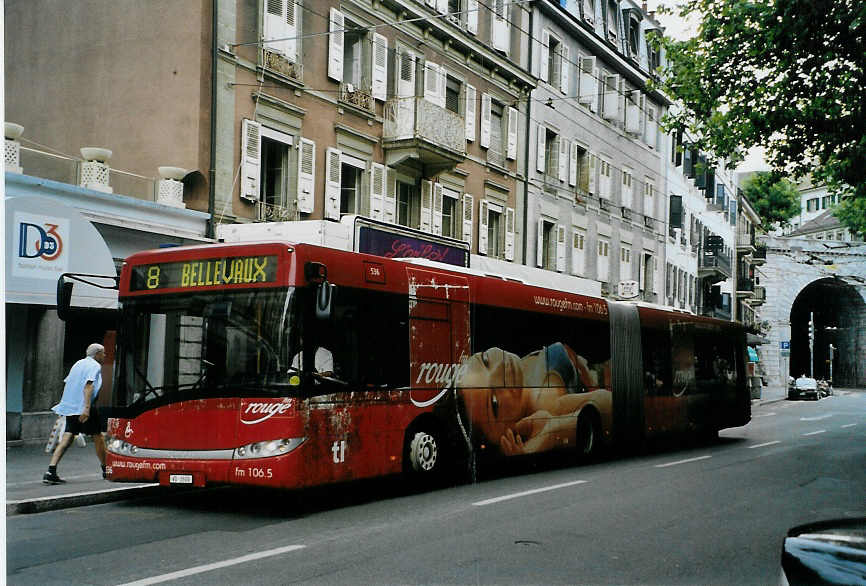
<point>268,448</point>
<point>118,446</point>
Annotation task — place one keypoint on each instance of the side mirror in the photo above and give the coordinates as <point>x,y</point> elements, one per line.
<point>64,297</point>
<point>324,296</point>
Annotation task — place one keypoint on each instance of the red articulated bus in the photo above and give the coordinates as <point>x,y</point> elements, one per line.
<point>294,365</point>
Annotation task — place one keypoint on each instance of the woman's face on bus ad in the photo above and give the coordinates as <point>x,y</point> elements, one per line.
<point>493,391</point>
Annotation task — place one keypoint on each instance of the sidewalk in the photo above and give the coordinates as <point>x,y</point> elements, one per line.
<point>27,462</point>
<point>25,493</point>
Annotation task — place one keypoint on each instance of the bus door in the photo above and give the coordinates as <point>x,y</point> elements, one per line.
<point>626,378</point>
<point>438,332</point>
<point>683,390</point>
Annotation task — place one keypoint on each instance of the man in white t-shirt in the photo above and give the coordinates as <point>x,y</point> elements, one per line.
<point>82,387</point>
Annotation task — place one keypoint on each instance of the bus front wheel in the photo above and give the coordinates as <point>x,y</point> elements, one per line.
<point>425,454</point>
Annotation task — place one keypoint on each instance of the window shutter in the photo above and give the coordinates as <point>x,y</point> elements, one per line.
<point>333,179</point>
<point>380,66</point>
<point>437,209</point>
<point>572,165</point>
<point>545,55</point>
<point>377,190</point>
<point>627,188</point>
<point>389,207</point>
<point>539,243</point>
<point>509,233</point>
<point>676,211</point>
<point>406,73</point>
<point>467,218</point>
<point>511,151</point>
<point>251,144</point>
<point>470,112</point>
<point>442,6</point>
<point>540,142</point>
<point>472,16</point>
<point>486,103</point>
<point>280,24</point>
<point>588,87</point>
<point>482,226</point>
<point>651,126</point>
<point>306,175</point>
<point>443,82</point>
<point>632,113</point>
<point>499,26</point>
<point>577,244</point>
<point>426,206</point>
<point>564,68</point>
<point>655,270</point>
<point>591,181</point>
<point>610,106</point>
<point>584,172</point>
<point>596,75</point>
<point>603,178</point>
<point>563,159</point>
<point>336,24</point>
<point>431,82</point>
<point>560,248</point>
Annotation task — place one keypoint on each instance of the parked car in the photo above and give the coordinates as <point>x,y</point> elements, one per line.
<point>828,552</point>
<point>803,387</point>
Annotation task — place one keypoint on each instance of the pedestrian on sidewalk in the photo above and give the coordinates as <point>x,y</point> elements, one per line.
<point>82,387</point>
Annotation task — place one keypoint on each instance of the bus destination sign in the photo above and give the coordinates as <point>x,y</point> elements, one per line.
<point>238,270</point>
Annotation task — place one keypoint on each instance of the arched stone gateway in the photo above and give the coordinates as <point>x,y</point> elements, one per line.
<point>824,282</point>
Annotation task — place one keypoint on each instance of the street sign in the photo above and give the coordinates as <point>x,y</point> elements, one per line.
<point>785,347</point>
<point>628,289</point>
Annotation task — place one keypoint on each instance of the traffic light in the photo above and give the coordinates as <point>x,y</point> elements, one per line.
<point>811,331</point>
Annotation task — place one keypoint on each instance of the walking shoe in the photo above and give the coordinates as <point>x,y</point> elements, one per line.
<point>49,478</point>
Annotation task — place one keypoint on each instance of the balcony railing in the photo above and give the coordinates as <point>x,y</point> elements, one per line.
<point>421,120</point>
<point>744,284</point>
<point>718,261</point>
<point>267,212</point>
<point>718,312</point>
<point>760,295</point>
<point>745,240</point>
<point>37,163</point>
<point>276,63</point>
<point>358,97</point>
<point>759,255</point>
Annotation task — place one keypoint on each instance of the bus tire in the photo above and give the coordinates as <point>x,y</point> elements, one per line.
<point>587,436</point>
<point>425,455</point>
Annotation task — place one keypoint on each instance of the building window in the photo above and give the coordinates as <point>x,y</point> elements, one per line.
<point>812,205</point>
<point>589,11</point>
<point>654,59</point>
<point>354,56</point>
<point>350,188</point>
<point>449,213</point>
<point>497,136</point>
<point>577,252</point>
<point>551,153</point>
<point>452,94</point>
<point>554,62</point>
<point>275,165</point>
<point>624,262</point>
<point>825,202</point>
<point>548,245</point>
<point>408,205</point>
<point>495,233</point>
<point>633,37</point>
<point>627,189</point>
<point>611,21</point>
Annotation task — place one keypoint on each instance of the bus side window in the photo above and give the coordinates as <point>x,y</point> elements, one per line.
<point>656,361</point>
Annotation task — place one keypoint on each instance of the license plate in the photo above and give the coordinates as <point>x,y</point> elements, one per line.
<point>180,479</point>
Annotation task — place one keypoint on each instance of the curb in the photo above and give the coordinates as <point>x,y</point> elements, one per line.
<point>53,503</point>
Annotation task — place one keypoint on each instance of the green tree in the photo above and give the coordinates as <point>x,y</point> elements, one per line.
<point>775,200</point>
<point>787,75</point>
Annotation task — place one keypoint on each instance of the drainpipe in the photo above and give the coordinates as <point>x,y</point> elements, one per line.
<point>526,145</point>
<point>211,197</point>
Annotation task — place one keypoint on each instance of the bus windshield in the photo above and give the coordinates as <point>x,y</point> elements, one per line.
<point>185,346</point>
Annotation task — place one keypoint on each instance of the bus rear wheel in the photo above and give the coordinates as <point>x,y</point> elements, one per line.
<point>587,436</point>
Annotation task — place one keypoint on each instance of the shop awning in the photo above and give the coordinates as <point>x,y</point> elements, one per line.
<point>45,239</point>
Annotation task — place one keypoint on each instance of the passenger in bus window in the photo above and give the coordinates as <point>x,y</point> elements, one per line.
<point>530,404</point>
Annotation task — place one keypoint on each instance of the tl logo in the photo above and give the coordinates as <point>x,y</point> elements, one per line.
<point>39,242</point>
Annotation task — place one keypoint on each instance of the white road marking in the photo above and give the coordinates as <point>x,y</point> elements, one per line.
<point>816,432</point>
<point>214,566</point>
<point>527,493</point>
<point>764,415</point>
<point>849,425</point>
<point>764,445</point>
<point>819,418</point>
<point>682,461</point>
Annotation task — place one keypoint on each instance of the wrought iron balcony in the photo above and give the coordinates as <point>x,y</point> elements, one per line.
<point>745,241</point>
<point>759,256</point>
<point>416,128</point>
<point>714,264</point>
<point>718,312</point>
<point>266,212</point>
<point>760,296</point>
<point>358,97</point>
<point>276,63</point>
<point>745,287</point>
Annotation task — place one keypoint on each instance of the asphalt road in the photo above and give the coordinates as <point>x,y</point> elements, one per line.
<point>700,514</point>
